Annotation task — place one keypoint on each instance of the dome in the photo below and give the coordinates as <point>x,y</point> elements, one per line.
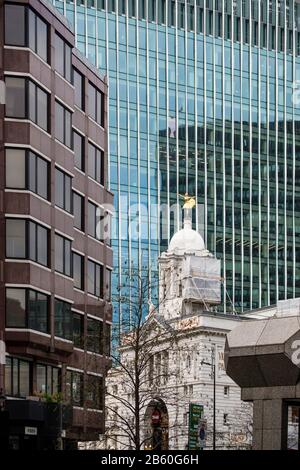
<point>186,240</point>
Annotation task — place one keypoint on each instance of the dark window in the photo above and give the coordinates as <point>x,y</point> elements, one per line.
<point>18,21</point>
<point>27,308</point>
<point>20,91</point>
<point>94,392</point>
<point>96,163</point>
<point>17,377</point>
<point>47,379</point>
<point>78,271</point>
<point>63,125</point>
<point>78,145</point>
<point>26,170</point>
<point>63,190</point>
<point>38,35</point>
<point>63,320</point>
<point>95,279</point>
<point>78,209</point>
<point>107,339</point>
<point>74,388</point>
<point>26,240</point>
<point>79,89</point>
<point>96,105</point>
<point>63,58</point>
<point>15,30</point>
<point>95,336</point>
<point>108,285</point>
<point>63,255</point>
<point>78,330</point>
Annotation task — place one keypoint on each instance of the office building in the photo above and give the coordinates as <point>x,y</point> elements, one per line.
<point>55,263</point>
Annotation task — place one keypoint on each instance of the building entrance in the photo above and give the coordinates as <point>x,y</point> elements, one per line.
<point>157,426</point>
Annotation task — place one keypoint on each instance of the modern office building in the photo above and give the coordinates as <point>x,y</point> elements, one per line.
<point>55,267</point>
<point>204,99</point>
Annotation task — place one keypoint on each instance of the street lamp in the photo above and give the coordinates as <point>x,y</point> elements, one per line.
<point>213,365</point>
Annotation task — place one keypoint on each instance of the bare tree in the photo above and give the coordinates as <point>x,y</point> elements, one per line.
<point>140,362</point>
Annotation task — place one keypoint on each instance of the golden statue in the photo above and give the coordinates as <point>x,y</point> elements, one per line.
<point>189,201</point>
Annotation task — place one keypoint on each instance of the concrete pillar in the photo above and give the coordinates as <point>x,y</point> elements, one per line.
<point>270,424</point>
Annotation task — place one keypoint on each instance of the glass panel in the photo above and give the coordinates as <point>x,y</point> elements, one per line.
<point>32,101</point>
<point>92,219</point>
<point>68,258</point>
<point>68,193</point>
<point>59,54</point>
<point>42,180</point>
<point>32,171</point>
<point>78,202</point>
<point>15,25</point>
<point>59,188</point>
<point>24,378</point>
<point>38,311</point>
<point>32,30</point>
<point>42,109</point>
<point>32,241</point>
<point>8,374</point>
<point>42,246</point>
<point>42,39</point>
<point>68,61</point>
<point>92,101</point>
<point>78,330</point>
<point>15,169</point>
<point>55,380</point>
<point>59,254</point>
<point>68,128</point>
<point>79,92</point>
<point>15,238</point>
<point>15,97</point>
<point>77,270</point>
<point>15,377</point>
<point>91,277</point>
<point>15,308</point>
<point>41,378</point>
<point>91,161</point>
<point>59,122</point>
<point>78,143</point>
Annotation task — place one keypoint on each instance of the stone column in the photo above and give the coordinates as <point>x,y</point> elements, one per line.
<point>270,424</point>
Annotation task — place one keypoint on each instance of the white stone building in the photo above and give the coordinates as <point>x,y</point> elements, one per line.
<point>189,290</point>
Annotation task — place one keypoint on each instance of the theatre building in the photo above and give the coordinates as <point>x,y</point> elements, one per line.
<point>55,253</point>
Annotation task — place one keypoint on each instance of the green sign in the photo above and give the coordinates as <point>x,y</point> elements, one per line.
<point>195,415</point>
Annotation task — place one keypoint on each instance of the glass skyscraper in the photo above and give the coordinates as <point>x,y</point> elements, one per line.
<point>204,98</point>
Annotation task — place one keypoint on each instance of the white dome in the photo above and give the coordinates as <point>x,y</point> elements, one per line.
<point>186,240</point>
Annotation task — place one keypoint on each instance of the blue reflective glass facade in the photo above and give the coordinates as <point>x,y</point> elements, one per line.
<point>204,98</point>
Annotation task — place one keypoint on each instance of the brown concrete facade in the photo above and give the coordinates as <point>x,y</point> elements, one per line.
<point>23,133</point>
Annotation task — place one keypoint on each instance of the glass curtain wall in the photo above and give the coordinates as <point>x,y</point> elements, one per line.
<point>203,98</point>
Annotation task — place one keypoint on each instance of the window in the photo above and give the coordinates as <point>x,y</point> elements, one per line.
<point>38,35</point>
<point>107,339</point>
<point>26,240</point>
<point>78,271</point>
<point>78,330</point>
<point>63,125</point>
<point>63,191</point>
<point>95,336</point>
<point>94,392</point>
<point>225,419</point>
<point>26,308</point>
<point>26,170</point>
<point>19,20</point>
<point>79,89</point>
<point>63,58</point>
<point>63,327</point>
<point>17,377</point>
<point>95,279</point>
<point>95,221</point>
<point>96,163</point>
<point>78,209</point>
<point>226,391</point>
<point>96,105</point>
<point>47,379</point>
<point>74,388</point>
<point>78,144</point>
<point>108,285</point>
<point>25,99</point>
<point>63,255</point>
